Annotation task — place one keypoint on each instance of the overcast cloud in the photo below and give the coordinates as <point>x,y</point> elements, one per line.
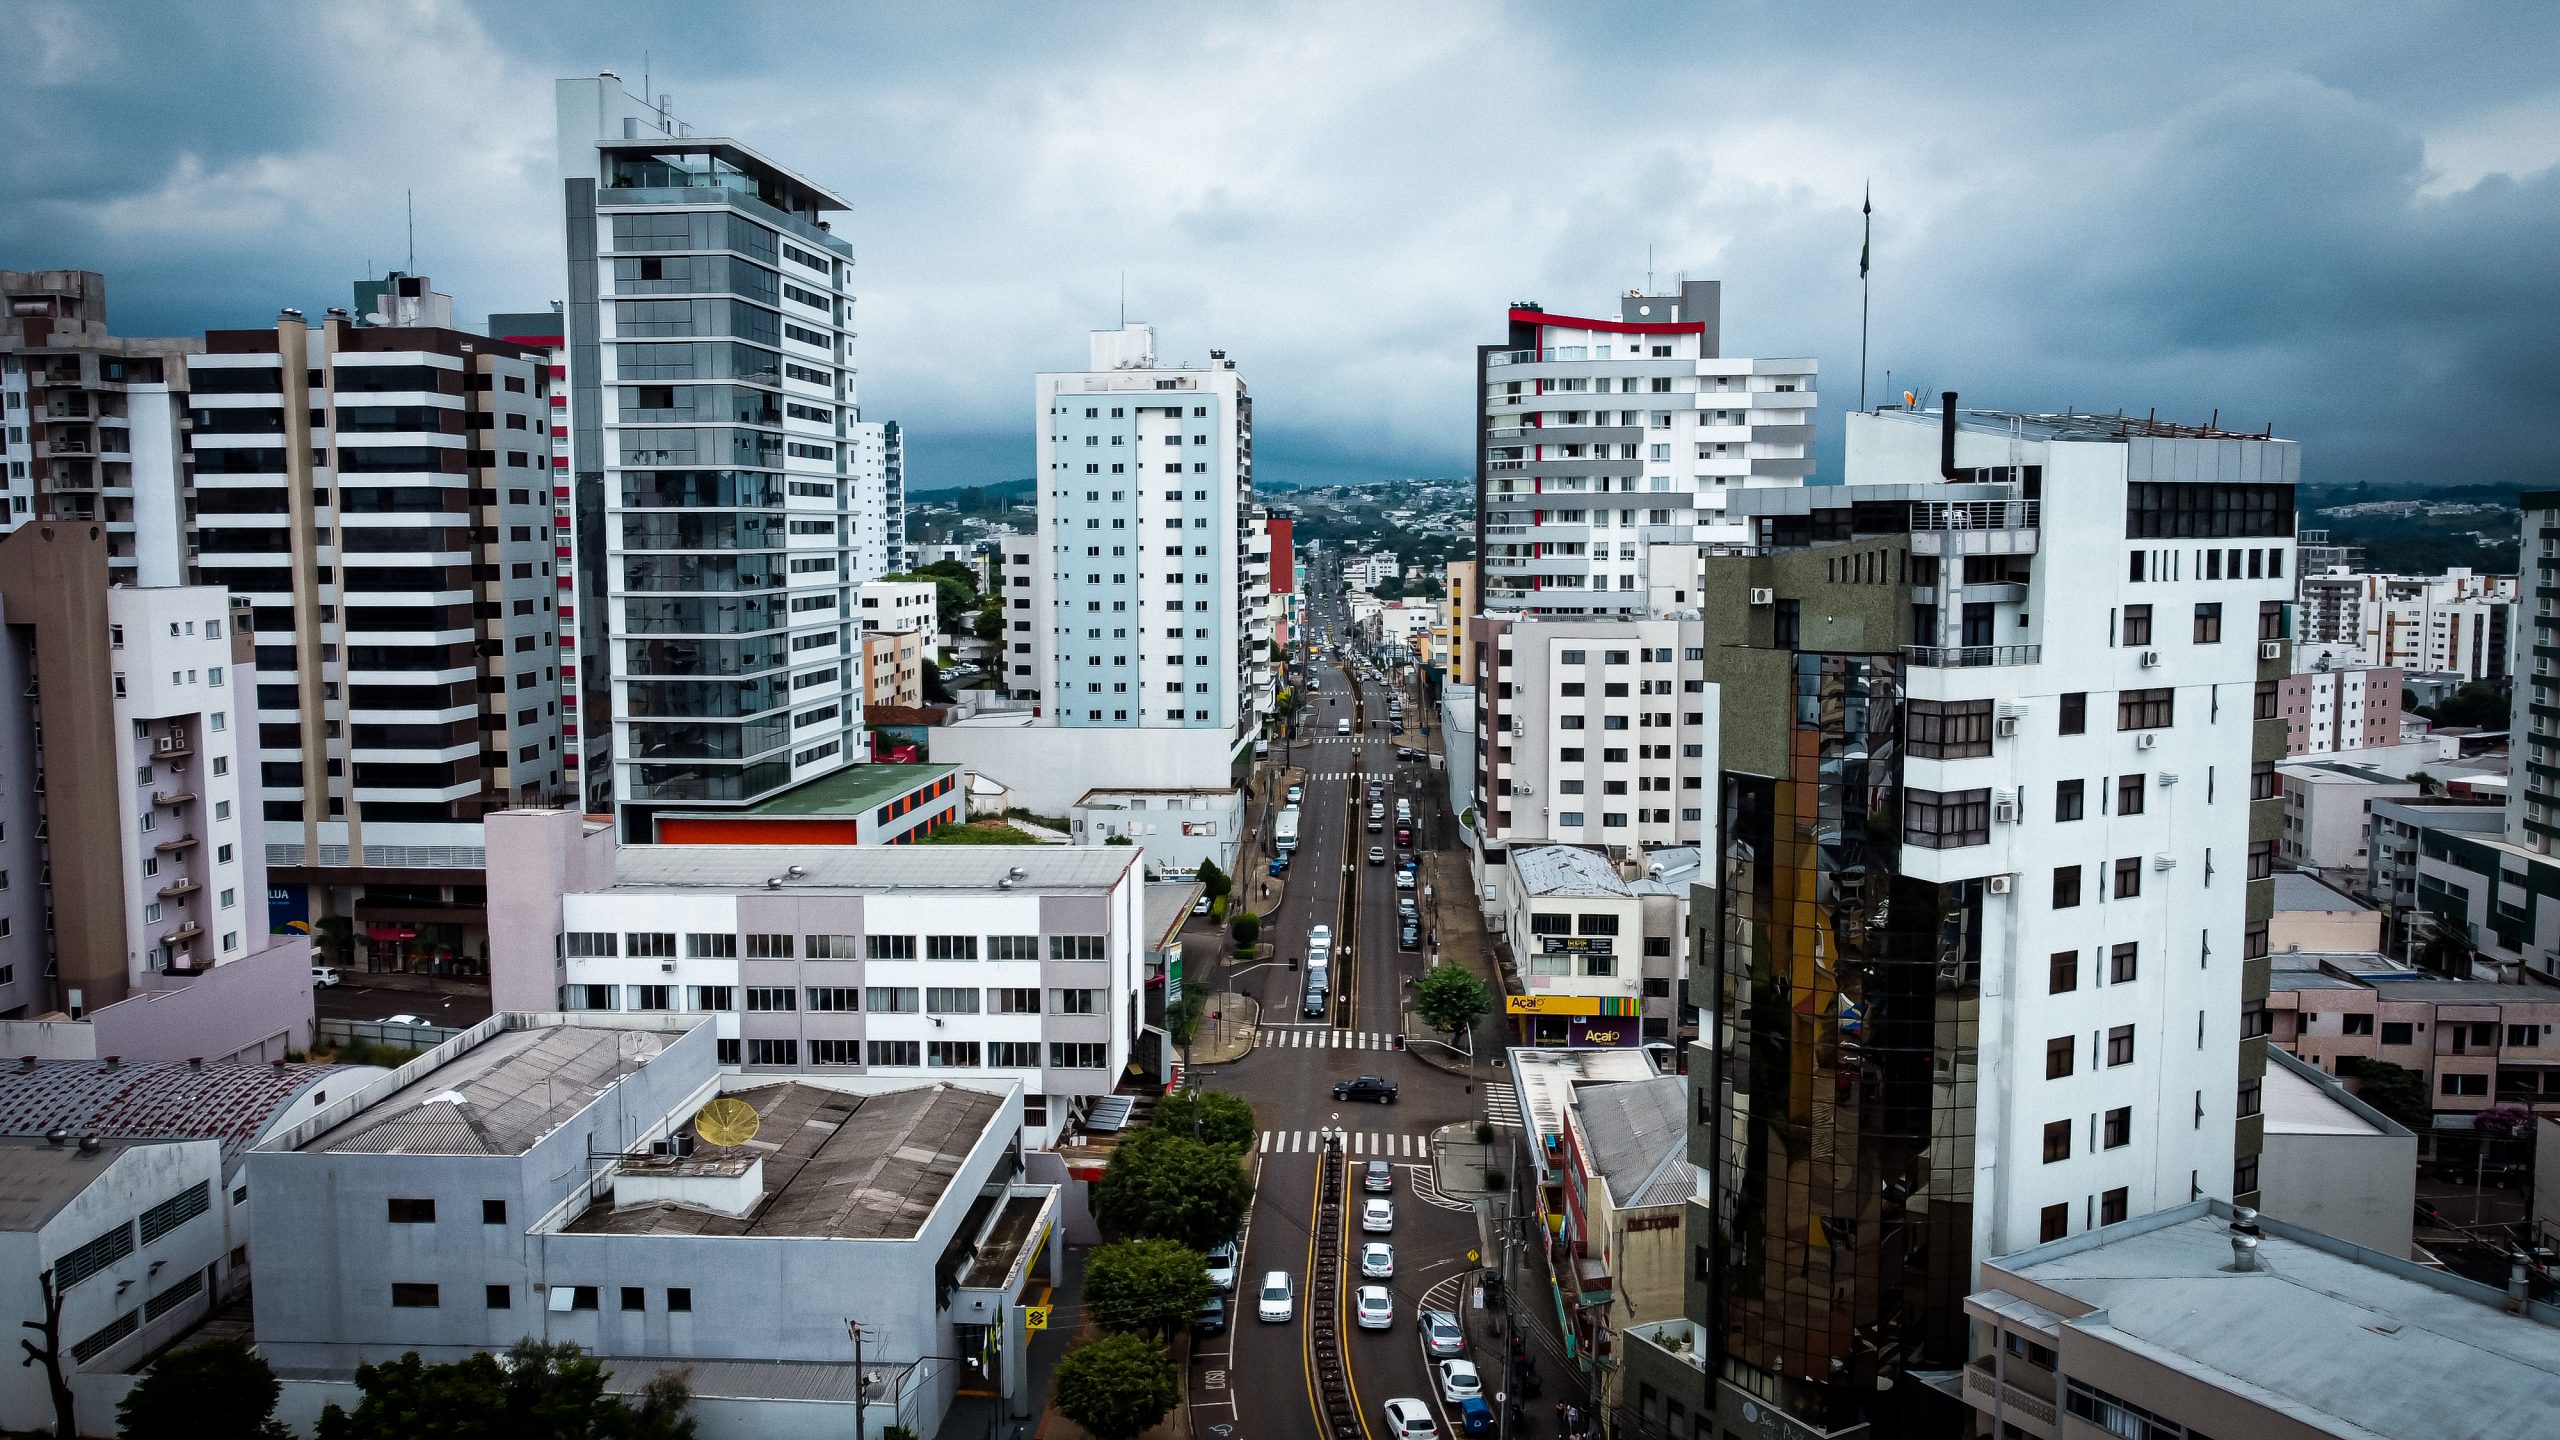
<point>2337,219</point>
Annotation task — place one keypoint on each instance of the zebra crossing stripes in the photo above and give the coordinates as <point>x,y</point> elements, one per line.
<point>1502,1106</point>
<point>1316,1037</point>
<point>1359,1143</point>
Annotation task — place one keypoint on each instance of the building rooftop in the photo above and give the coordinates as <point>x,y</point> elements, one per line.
<point>2296,891</point>
<point>1566,871</point>
<point>862,869</point>
<point>837,1165</point>
<point>1169,904</point>
<point>157,1099</point>
<point>38,1177</point>
<point>1638,1134</point>
<point>2339,772</point>
<point>498,1097</point>
<point>853,790</point>
<point>1545,1080</point>
<point>2295,1103</point>
<point>2347,1341</point>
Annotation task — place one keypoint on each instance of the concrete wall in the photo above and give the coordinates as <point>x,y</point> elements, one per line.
<point>535,857</point>
<point>251,1009</point>
<point>1049,768</point>
<point>1178,831</point>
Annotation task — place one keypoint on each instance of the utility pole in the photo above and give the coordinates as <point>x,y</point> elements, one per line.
<point>861,1384</point>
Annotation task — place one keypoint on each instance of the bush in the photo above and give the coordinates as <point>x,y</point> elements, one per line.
<point>1117,1387</point>
<point>1145,1286</point>
<point>1246,928</point>
<point>221,1390</point>
<point>1496,1179</point>
<point>1484,1132</point>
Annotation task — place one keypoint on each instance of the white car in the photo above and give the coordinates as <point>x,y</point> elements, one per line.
<point>1459,1381</point>
<point>1378,1260</point>
<point>1319,937</point>
<point>1222,1265</point>
<point>419,1020</point>
<point>1279,1301</point>
<point>1410,1419</point>
<point>323,976</point>
<point>1378,1215</point>
<point>1374,1309</point>
<point>1404,879</point>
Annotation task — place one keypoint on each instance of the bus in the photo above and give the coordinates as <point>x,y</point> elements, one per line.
<point>1284,832</point>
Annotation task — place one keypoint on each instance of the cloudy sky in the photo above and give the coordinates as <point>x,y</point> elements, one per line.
<point>2336,218</point>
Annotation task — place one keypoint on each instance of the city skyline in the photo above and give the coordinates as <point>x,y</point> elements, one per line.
<point>2295,205</point>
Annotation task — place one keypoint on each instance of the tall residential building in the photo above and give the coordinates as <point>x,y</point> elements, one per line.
<point>1139,600</point>
<point>712,459</point>
<point>90,423</point>
<point>380,495</point>
<point>1595,732</point>
<point>2328,707</point>
<point>2457,622</point>
<point>1979,967</point>
<point>893,495</point>
<point>1603,439</point>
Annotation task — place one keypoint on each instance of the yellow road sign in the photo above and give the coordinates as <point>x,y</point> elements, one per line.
<point>1473,1257</point>
<point>1035,1317</point>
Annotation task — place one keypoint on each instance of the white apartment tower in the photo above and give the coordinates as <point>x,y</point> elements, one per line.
<point>1608,450</point>
<point>713,460</point>
<point>1141,612</point>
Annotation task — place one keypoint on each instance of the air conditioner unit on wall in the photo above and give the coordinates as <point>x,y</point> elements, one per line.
<point>2005,810</point>
<point>2005,726</point>
<point>2150,659</point>
<point>1762,596</point>
<point>2270,649</point>
<point>2148,739</point>
<point>2000,884</point>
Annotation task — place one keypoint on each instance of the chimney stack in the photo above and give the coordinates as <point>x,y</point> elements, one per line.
<point>1947,436</point>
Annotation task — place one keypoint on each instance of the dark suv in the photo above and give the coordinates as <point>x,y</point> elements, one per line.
<point>1367,1087</point>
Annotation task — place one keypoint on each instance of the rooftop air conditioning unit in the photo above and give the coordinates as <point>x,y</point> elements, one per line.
<point>2270,649</point>
<point>2147,740</point>
<point>2000,884</point>
<point>2150,659</point>
<point>1763,596</point>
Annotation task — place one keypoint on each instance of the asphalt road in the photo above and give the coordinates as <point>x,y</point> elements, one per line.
<point>352,999</point>
<point>1258,1381</point>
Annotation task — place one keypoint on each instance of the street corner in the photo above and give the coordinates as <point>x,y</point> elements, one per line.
<point>1229,1029</point>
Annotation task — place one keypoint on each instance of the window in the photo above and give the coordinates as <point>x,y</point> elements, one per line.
<point>1077,947</point>
<point>951,947</point>
<point>2129,794</point>
<point>1013,1054</point>
<point>1013,947</point>
<point>591,944</point>
<point>498,1297</point>
<point>951,1054</point>
<point>493,1212</point>
<point>413,1296</point>
<point>2129,878</point>
<point>2137,625</point>
<point>2519,1037</point>
<point>2363,1025</point>
<point>2112,1208</point>
<point>2121,963</point>
<point>634,1298</point>
<point>2146,709</point>
<point>2209,623</point>
<point>1075,1002</point>
<point>2053,1223</point>
<point>889,947</point>
<point>715,997</point>
<point>773,1052</point>
<point>951,1000</point>
<point>2062,972</point>
<point>2059,1054</point>
<point>413,1212</point>
<point>2075,713</point>
<point>2264,783</point>
<point>679,1300</point>
<point>2057,1141</point>
<point>1013,1001</point>
<point>2066,886</point>
<point>2271,624</point>
<point>710,947</point>
<point>650,944</point>
<point>1946,729</point>
<point>2070,797</point>
<point>2398,1032</point>
<point>2119,1128</point>
<point>2266,701</point>
<point>2244,1176</point>
<point>772,997</point>
<point>2120,1045</point>
<point>768,947</point>
<point>1935,821</point>
<point>835,1052</point>
<point>1063,1056</point>
<point>836,999</point>
<point>2252,1098</point>
<point>891,999</point>
<point>895,1052</point>
<point>830,947</point>
<point>2457,1083</point>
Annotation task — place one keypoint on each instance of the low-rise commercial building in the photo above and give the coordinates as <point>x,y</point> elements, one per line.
<point>1596,945</point>
<point>1179,828</point>
<point>1627,1181</point>
<point>2475,1042</point>
<point>2312,915</point>
<point>874,804</point>
<point>2327,808</point>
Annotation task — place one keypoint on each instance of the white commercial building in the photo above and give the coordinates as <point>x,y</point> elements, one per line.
<point>906,606</point>
<point>1023,964</point>
<point>721,511</point>
<point>1594,732</point>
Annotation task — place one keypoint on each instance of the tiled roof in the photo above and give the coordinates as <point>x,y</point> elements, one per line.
<point>153,1099</point>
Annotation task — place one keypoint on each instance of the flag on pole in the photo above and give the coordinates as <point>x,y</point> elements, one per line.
<point>1866,244</point>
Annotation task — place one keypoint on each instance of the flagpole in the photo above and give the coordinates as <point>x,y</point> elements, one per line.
<point>1866,212</point>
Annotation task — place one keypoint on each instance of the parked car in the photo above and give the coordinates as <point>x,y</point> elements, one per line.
<point>1409,936</point>
<point>1278,864</point>
<point>1222,1264</point>
<point>1404,879</point>
<point>1319,937</point>
<point>1458,1380</point>
<point>419,1020</point>
<point>1373,1308</point>
<point>1442,1339</point>
<point>1378,1178</point>
<point>1213,1315</point>
<point>323,976</point>
<point>1377,855</point>
<point>1366,1087</point>
<point>1279,1300</point>
<point>1297,793</point>
<point>1377,1216</point>
<point>1200,906</point>
<point>1409,1419</point>
<point>1319,1000</point>
<point>1378,1260</point>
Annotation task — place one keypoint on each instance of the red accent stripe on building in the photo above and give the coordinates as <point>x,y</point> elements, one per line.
<point>1622,327</point>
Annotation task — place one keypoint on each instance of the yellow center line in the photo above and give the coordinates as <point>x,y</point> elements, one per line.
<point>1306,1330</point>
<point>1350,1372</point>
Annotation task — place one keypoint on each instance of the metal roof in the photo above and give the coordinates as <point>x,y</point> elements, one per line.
<point>860,869</point>
<point>1567,871</point>
<point>500,1096</point>
<point>1638,1133</point>
<point>2295,891</point>
<point>154,1099</point>
<point>38,1178</point>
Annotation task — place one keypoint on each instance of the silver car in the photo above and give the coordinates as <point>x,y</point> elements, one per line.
<point>1378,1261</point>
<point>1442,1339</point>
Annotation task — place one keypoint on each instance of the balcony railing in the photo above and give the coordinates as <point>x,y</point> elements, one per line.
<point>1967,657</point>
<point>183,842</point>
<point>173,798</point>
<point>179,889</point>
<point>1977,515</point>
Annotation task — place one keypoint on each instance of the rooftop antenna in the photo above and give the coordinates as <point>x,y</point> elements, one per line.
<point>1124,299</point>
<point>1648,269</point>
<point>413,233</point>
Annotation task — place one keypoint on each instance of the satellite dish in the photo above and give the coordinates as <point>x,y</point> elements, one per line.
<point>726,1121</point>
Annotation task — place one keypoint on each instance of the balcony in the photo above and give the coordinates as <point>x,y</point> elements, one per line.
<point>182,934</point>
<point>172,747</point>
<point>2027,1393</point>
<point>179,889</point>
<point>1967,657</point>
<point>173,798</point>
<point>172,847</point>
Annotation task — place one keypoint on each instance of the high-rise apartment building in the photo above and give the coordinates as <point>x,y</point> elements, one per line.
<point>1601,440</point>
<point>2456,622</point>
<point>1139,590</point>
<point>1595,732</point>
<point>1983,961</point>
<point>379,494</point>
<point>90,423</point>
<point>712,446</point>
<point>893,496</point>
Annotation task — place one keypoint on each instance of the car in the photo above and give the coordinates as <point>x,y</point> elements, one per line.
<point>1373,1308</point>
<point>1409,936</point>
<point>408,1020</point>
<point>1378,1260</point>
<point>1367,1087</point>
<point>1378,1178</point>
<point>323,976</point>
<point>1458,1380</point>
<point>1409,1419</point>
<point>1377,825</point>
<point>1319,1000</point>
<point>1222,1264</point>
<point>1442,1339</point>
<point>1342,727</point>
<point>1297,793</point>
<point>1279,863</point>
<point>1404,879</point>
<point>1377,1216</point>
<point>1319,937</point>
<point>1279,1299</point>
<point>1377,854</point>
<point>1407,862</point>
<point>1200,906</point>
<point>1376,789</point>
<point>1212,1317</point>
<point>1473,1415</point>
<point>1396,729</point>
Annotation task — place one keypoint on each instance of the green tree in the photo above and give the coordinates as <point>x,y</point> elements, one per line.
<point>334,936</point>
<point>1246,927</point>
<point>2396,1090</point>
<point>220,1390</point>
<point>1117,1387</point>
<point>1152,1287</point>
<point>1164,1186</point>
<point>2476,705</point>
<point>1182,1017</point>
<point>935,692</point>
<point>955,591</point>
<point>542,1392</point>
<point>1214,878</point>
<point>1218,1117</point>
<point>990,622</point>
<point>1451,998</point>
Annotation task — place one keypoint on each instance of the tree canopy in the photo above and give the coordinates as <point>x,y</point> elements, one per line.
<point>1147,1286</point>
<point>2396,1090</point>
<point>543,1392</point>
<point>1117,1387</point>
<point>1214,878</point>
<point>1451,998</point>
<point>1167,1186</point>
<point>1223,1119</point>
<point>220,1390</point>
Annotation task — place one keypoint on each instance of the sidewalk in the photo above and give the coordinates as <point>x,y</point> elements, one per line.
<point>1227,1030</point>
<point>1453,920</point>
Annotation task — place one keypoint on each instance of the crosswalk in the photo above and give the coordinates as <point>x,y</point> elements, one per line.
<point>1318,1037</point>
<point>1360,1143</point>
<point>1502,1106</point>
